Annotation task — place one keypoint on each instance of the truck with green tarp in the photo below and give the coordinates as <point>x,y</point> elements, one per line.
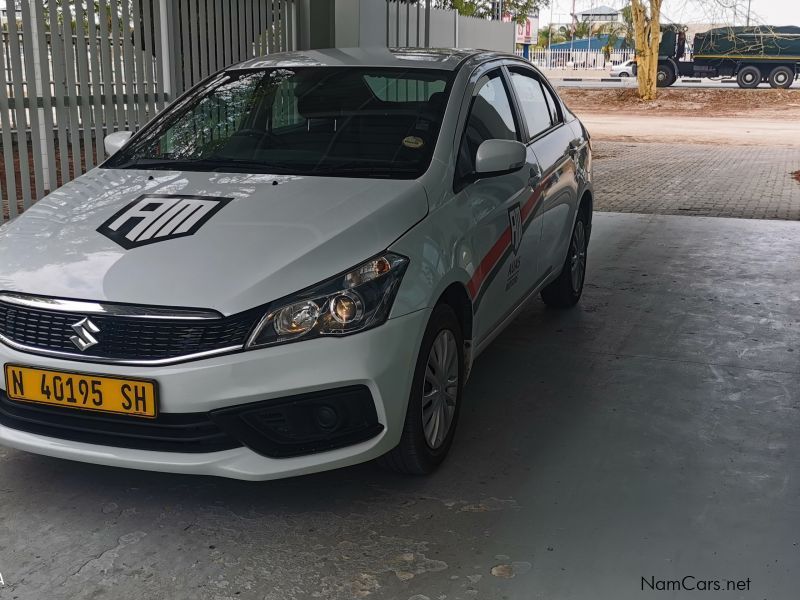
<point>750,54</point>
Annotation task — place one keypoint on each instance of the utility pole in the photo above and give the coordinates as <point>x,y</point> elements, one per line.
<point>748,12</point>
<point>572,27</point>
<point>550,39</point>
<point>427,23</point>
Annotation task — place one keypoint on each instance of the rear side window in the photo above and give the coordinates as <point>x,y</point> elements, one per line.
<point>537,111</point>
<point>553,104</point>
<point>490,118</point>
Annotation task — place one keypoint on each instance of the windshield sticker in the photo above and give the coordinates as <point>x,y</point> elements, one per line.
<point>155,218</point>
<point>413,142</point>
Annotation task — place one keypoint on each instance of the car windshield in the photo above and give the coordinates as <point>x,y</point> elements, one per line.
<point>332,121</point>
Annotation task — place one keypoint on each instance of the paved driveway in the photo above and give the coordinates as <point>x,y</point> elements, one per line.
<point>651,432</point>
<point>753,182</point>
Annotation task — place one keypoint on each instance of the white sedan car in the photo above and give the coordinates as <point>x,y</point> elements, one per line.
<point>294,266</point>
<point>625,69</point>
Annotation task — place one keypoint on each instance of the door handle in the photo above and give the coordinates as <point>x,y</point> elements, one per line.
<point>535,177</point>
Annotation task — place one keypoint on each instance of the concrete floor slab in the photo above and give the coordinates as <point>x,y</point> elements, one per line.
<point>650,432</point>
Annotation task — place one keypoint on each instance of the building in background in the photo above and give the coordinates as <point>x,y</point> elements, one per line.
<point>600,15</point>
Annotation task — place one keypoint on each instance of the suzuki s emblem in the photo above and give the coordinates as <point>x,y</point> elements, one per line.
<point>515,221</point>
<point>84,337</point>
<point>155,218</point>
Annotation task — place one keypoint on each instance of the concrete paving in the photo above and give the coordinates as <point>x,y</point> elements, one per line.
<point>649,433</point>
<point>753,182</point>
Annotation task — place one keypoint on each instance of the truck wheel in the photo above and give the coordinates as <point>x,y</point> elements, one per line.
<point>749,77</point>
<point>781,77</point>
<point>664,76</point>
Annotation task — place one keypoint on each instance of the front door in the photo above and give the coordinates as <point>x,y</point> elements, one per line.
<point>504,239</point>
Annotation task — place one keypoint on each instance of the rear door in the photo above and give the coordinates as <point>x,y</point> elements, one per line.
<point>503,247</point>
<point>556,147</point>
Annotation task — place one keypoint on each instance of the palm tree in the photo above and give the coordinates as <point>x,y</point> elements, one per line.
<point>627,19</point>
<point>614,31</point>
<point>548,36</point>
<point>583,30</point>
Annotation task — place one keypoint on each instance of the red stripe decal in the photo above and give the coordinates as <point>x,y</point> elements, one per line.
<point>501,245</point>
<point>489,261</point>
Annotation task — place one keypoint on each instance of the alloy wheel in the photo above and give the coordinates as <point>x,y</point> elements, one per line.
<point>440,389</point>
<point>577,251</point>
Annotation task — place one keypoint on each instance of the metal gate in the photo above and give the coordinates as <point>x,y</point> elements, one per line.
<point>72,71</point>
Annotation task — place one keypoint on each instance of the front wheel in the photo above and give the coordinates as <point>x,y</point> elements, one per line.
<point>664,76</point>
<point>435,399</point>
<point>566,290</point>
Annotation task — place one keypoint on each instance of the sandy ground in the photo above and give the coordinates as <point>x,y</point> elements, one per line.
<point>732,117</point>
<point>739,131</point>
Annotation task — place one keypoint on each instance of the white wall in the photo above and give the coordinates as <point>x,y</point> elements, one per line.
<point>363,23</point>
<point>489,35</point>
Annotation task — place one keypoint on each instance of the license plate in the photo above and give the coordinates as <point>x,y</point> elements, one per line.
<point>98,393</point>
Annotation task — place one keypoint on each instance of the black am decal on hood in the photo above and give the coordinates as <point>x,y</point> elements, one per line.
<point>155,218</point>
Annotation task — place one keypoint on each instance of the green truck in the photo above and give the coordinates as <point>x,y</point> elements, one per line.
<point>750,54</point>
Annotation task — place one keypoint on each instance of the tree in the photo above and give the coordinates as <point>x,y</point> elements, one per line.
<point>582,30</point>
<point>548,36</point>
<point>647,30</point>
<point>627,19</point>
<point>519,9</point>
<point>613,31</point>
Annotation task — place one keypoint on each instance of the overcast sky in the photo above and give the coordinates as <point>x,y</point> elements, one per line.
<point>769,12</point>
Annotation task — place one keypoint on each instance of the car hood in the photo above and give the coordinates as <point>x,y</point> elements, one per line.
<point>274,236</point>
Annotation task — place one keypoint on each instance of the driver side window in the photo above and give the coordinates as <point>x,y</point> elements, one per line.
<point>490,117</point>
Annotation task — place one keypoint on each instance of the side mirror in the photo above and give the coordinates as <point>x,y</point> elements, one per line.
<point>114,141</point>
<point>498,157</point>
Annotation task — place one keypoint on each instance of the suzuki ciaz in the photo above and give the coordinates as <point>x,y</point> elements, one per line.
<point>293,267</point>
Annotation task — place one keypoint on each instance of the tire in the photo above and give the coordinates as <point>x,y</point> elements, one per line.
<point>781,77</point>
<point>665,77</point>
<point>749,77</point>
<point>624,74</point>
<point>566,290</point>
<point>415,454</point>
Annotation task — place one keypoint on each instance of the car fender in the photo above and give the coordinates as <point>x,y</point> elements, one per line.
<point>439,255</point>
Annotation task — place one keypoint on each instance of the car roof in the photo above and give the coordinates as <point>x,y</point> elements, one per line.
<point>449,59</point>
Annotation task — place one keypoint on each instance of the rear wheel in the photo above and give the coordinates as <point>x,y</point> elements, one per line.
<point>566,290</point>
<point>781,77</point>
<point>435,399</point>
<point>624,74</point>
<point>665,77</point>
<point>749,77</point>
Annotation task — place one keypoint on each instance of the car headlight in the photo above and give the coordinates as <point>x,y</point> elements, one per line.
<point>354,301</point>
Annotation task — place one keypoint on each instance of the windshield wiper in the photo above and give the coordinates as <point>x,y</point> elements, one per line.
<point>383,172</point>
<point>211,164</point>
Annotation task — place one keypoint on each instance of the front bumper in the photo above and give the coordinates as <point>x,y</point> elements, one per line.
<point>382,359</point>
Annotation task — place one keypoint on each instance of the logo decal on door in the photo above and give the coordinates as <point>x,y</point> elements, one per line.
<point>515,225</point>
<point>515,221</point>
<point>155,218</point>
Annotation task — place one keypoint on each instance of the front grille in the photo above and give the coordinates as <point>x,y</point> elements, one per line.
<point>123,338</point>
<point>169,432</point>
